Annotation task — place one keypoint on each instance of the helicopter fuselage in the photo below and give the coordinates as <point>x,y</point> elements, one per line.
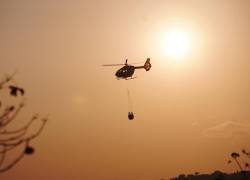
<point>125,72</point>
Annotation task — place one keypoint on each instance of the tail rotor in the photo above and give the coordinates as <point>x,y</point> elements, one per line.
<point>147,65</point>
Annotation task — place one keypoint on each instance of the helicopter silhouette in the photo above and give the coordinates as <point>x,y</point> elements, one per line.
<point>127,71</point>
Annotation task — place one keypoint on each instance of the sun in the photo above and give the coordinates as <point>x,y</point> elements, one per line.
<point>176,44</point>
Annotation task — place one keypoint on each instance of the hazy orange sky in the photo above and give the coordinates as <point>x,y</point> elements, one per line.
<point>190,114</point>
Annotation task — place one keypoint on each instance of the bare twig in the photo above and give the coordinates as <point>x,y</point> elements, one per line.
<point>11,139</point>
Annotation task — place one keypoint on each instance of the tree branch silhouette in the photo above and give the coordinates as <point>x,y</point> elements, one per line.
<point>11,139</point>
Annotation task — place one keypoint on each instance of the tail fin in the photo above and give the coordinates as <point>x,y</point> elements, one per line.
<point>147,65</point>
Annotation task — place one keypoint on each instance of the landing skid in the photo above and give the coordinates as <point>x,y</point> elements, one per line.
<point>130,78</point>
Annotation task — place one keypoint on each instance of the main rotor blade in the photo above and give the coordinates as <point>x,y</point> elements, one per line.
<point>137,62</point>
<point>113,64</point>
<point>123,64</point>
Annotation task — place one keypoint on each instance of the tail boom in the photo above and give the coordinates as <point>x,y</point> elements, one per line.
<point>147,66</point>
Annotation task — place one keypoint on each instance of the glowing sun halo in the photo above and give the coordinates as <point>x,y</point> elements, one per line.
<point>176,44</point>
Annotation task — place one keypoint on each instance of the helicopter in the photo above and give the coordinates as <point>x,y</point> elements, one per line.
<point>127,71</point>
